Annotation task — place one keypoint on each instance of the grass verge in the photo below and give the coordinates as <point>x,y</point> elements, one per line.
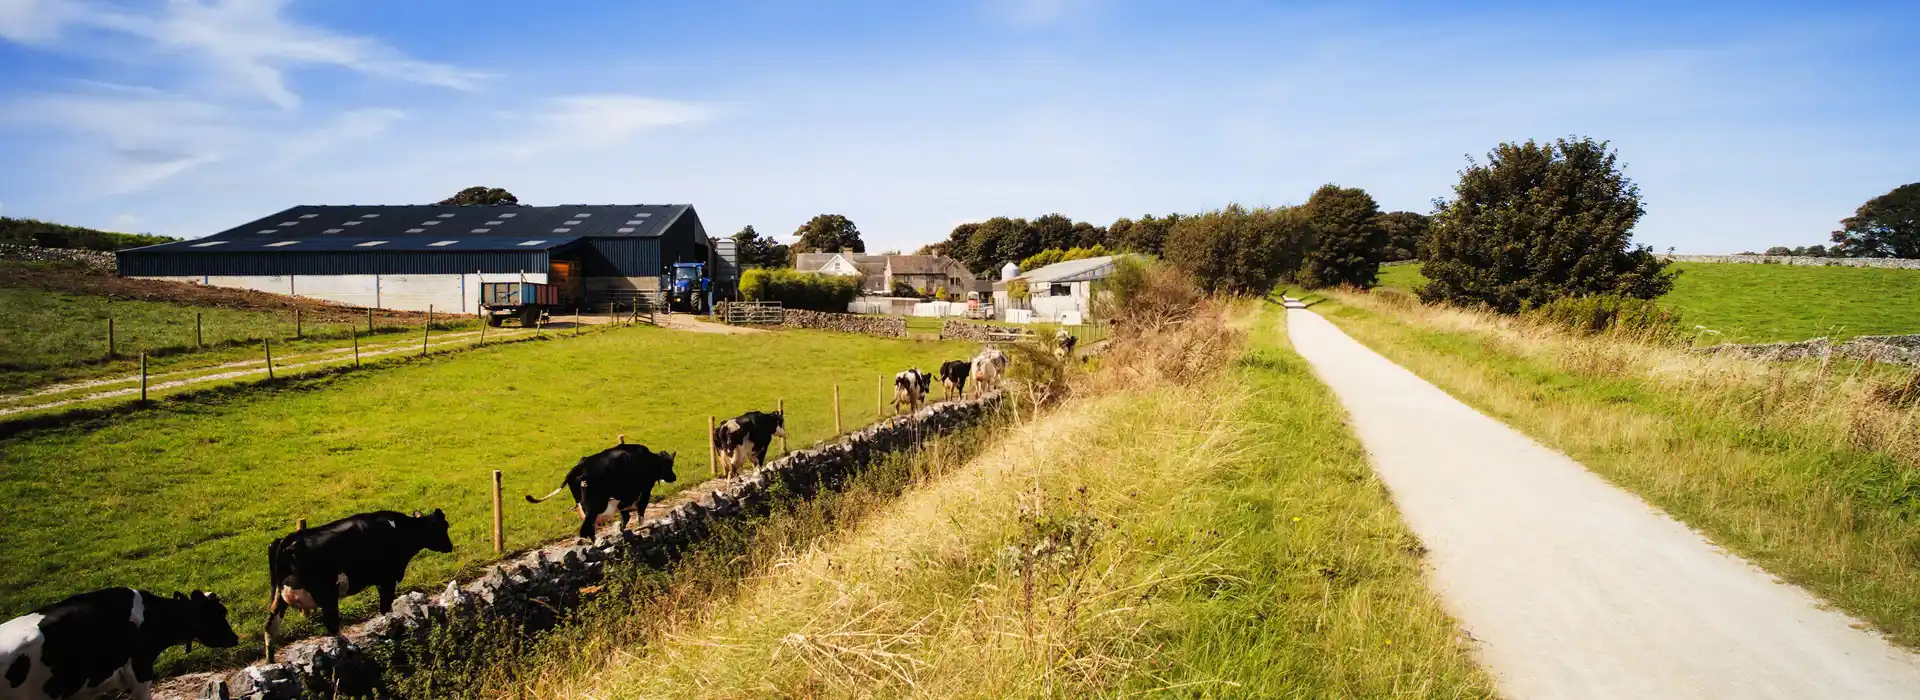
<point>1161,541</point>
<point>192,492</point>
<point>1811,471</point>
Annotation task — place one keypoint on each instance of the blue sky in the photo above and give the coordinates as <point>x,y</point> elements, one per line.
<point>1747,124</point>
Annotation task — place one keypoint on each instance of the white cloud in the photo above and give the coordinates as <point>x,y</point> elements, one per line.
<point>33,21</point>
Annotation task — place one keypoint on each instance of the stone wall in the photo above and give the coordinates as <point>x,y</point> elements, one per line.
<point>883,326</point>
<point>956,329</point>
<point>529,588</point>
<point>98,260</point>
<point>1896,263</point>
<point>1895,349</point>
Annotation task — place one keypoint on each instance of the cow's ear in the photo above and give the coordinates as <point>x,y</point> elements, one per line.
<point>439,514</point>
<point>199,596</point>
<point>416,514</point>
<point>180,596</point>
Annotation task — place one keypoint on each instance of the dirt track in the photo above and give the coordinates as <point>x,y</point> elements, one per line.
<point>1573,587</point>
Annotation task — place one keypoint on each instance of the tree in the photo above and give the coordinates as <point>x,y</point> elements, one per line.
<point>1348,241</point>
<point>1538,222</point>
<point>1812,251</point>
<point>1237,250</point>
<point>1887,226</point>
<point>1147,236</point>
<point>1406,235</point>
<point>1056,255</point>
<point>829,233</point>
<point>482,195</point>
<point>1779,250</point>
<point>761,251</point>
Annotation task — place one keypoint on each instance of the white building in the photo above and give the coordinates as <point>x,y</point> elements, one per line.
<point>1058,293</point>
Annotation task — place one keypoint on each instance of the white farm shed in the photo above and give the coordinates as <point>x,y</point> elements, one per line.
<point>1057,293</point>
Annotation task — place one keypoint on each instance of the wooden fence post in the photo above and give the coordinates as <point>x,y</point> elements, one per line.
<point>611,306</point>
<point>299,329</point>
<point>576,321</point>
<point>880,408</point>
<point>426,331</point>
<point>196,331</point>
<point>143,377</point>
<point>369,319</point>
<point>356,346</point>
<point>836,411</point>
<point>483,332</point>
<point>268,344</point>
<point>780,407</point>
<point>499,528</point>
<point>710,447</point>
<point>110,348</point>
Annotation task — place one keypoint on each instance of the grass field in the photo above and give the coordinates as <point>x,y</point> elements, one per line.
<point>1811,472</point>
<point>187,496</point>
<point>1767,303</point>
<point>1157,542</point>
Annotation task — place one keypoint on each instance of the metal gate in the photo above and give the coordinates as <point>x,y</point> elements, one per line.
<point>755,312</point>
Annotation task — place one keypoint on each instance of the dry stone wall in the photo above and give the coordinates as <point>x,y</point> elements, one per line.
<point>1895,263</point>
<point>98,260</point>
<point>531,588</point>
<point>956,329</point>
<point>1894,349</point>
<point>882,326</point>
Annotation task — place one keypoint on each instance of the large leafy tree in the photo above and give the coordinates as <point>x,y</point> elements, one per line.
<point>1148,235</point>
<point>1406,235</point>
<point>1238,250</point>
<point>1348,240</point>
<point>1537,222</point>
<point>1887,226</point>
<point>482,195</point>
<point>829,233</point>
<point>984,246</point>
<point>762,251</point>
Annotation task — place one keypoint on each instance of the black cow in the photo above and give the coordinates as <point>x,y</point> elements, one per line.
<point>910,388</point>
<point>621,476</point>
<point>103,642</point>
<point>953,376</point>
<point>748,436</point>
<point>314,568</point>
<point>1063,343</point>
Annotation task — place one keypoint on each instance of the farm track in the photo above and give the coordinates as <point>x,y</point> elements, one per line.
<point>232,370</point>
<point>1574,587</point>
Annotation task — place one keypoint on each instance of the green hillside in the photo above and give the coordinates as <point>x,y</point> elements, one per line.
<point>1765,303</point>
<point>46,234</point>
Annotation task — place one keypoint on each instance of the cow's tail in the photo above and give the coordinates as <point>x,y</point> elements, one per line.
<point>556,492</point>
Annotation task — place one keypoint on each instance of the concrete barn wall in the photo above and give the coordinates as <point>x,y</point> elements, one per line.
<point>446,293</point>
<point>530,587</point>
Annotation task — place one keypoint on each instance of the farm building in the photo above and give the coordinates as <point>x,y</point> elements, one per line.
<point>410,257</point>
<point>880,274</point>
<point>1057,293</point>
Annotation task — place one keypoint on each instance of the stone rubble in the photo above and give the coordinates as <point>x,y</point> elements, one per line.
<point>882,326</point>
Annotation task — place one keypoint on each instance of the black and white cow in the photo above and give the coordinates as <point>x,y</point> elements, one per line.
<point>314,568</point>
<point>910,389</point>
<point>953,376</point>
<point>103,642</point>
<point>988,366</point>
<point>620,478</point>
<point>747,437</point>
<point>1063,343</point>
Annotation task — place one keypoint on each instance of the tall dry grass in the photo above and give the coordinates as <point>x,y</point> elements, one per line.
<point>1810,468</point>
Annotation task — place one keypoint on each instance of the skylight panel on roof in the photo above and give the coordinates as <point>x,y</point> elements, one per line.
<point>435,222</point>
<point>369,244</point>
<point>509,215</point>
<point>333,230</point>
<point>532,242</point>
<point>441,244</point>
<point>281,244</point>
<point>635,222</point>
<point>582,215</point>
<point>628,229</point>
<point>268,230</point>
<point>209,244</point>
<point>369,216</point>
<point>478,230</point>
<point>562,230</point>
<point>495,223</point>
<point>351,223</point>
<point>284,224</point>
<point>416,230</point>
<point>644,214</point>
<point>308,216</point>
<point>446,216</point>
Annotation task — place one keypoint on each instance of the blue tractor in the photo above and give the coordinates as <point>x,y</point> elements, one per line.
<point>689,288</point>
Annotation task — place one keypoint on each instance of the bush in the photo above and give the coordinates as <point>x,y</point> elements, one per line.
<point>1348,238</point>
<point>800,290</point>
<point>1538,222</point>
<point>1609,313</point>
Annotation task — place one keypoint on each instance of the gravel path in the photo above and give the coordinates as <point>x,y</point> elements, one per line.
<point>1573,587</point>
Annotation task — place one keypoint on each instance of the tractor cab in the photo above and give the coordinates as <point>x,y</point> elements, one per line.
<point>688,287</point>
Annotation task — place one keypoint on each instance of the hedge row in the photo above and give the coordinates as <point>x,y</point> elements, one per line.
<point>800,290</point>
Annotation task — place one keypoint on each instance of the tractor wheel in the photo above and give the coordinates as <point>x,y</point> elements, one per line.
<point>493,320</point>
<point>529,316</point>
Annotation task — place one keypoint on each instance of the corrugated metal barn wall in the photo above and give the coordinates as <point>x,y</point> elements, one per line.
<point>622,257</point>
<point>355,263</point>
<point>681,242</point>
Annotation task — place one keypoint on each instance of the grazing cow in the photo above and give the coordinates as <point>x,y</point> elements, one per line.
<point>988,366</point>
<point>1063,343</point>
<point>314,568</point>
<point>748,436</point>
<point>101,643</point>
<point>619,478</point>
<point>953,376</point>
<point>910,389</point>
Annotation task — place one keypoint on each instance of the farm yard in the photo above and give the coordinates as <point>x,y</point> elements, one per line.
<point>1747,303</point>
<point>186,495</point>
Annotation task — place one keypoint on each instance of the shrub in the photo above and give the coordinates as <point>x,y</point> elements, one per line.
<point>800,290</point>
<point>1538,222</point>
<point>1348,238</point>
<point>1609,313</point>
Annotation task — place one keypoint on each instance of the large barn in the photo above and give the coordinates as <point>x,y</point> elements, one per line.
<point>410,257</point>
